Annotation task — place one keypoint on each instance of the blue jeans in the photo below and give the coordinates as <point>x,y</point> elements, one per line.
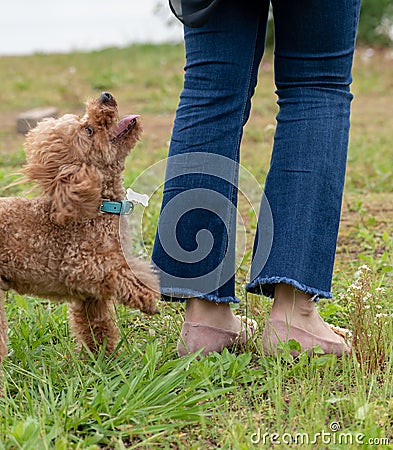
<point>295,243</point>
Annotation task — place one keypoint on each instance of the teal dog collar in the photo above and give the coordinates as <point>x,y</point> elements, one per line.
<point>120,207</point>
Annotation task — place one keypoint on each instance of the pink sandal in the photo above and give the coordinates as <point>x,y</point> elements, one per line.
<point>278,330</point>
<point>196,336</point>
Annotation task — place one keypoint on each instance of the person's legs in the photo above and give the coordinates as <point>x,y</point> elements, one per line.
<point>194,249</point>
<point>313,60</point>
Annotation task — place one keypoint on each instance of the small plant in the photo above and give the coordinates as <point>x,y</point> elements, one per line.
<point>368,323</point>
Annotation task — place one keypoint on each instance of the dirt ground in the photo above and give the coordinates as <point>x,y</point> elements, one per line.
<point>373,211</point>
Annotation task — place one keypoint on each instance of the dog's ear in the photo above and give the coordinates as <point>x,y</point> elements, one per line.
<point>75,190</point>
<point>77,193</point>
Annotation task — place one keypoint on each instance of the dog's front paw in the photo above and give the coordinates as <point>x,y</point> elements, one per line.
<point>144,299</point>
<point>149,306</point>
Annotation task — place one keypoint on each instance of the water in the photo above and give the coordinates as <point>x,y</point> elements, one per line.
<point>53,26</point>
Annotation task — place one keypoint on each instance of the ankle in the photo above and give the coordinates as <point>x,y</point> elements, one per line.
<point>291,304</point>
<point>198,309</point>
<point>210,313</point>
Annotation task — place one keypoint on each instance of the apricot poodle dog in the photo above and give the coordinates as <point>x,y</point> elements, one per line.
<point>61,245</point>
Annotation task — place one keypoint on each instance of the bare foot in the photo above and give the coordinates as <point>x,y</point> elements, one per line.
<point>295,308</point>
<point>217,315</point>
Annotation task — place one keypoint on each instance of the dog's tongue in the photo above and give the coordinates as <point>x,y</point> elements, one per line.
<point>124,122</point>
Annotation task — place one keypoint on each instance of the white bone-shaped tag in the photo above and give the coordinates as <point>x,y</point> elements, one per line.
<point>134,197</point>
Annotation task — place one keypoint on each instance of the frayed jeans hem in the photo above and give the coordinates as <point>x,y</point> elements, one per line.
<point>265,286</point>
<point>180,296</point>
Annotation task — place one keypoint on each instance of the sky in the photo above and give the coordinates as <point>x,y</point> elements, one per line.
<point>28,26</point>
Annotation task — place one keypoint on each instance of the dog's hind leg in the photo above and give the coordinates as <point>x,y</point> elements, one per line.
<point>3,335</point>
<point>93,323</point>
<point>3,329</point>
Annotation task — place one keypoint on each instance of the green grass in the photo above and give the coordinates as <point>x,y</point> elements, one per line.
<point>147,397</point>
<point>146,76</point>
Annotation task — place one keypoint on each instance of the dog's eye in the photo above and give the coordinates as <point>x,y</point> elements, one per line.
<point>89,130</point>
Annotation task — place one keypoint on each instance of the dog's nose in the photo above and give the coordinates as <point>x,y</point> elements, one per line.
<point>106,97</point>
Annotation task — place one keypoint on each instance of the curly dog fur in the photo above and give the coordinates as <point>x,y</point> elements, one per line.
<point>60,246</point>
